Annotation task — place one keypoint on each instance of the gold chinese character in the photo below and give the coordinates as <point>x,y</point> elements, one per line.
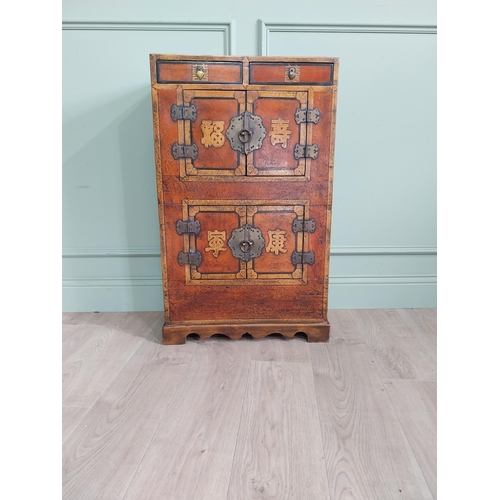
<point>280,133</point>
<point>216,240</point>
<point>212,133</point>
<point>276,242</point>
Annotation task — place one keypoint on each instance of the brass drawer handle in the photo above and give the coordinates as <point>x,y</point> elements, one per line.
<point>200,73</point>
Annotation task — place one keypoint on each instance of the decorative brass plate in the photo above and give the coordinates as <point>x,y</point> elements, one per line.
<point>246,242</point>
<point>246,132</point>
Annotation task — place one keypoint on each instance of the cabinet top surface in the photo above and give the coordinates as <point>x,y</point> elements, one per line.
<point>191,57</point>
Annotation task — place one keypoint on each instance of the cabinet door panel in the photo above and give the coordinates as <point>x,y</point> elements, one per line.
<point>216,223</point>
<point>277,110</point>
<point>276,223</point>
<point>207,132</point>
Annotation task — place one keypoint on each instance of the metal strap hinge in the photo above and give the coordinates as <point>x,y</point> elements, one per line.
<point>184,151</point>
<point>183,112</point>
<point>187,226</point>
<point>307,226</point>
<point>191,258</point>
<point>302,257</point>
<point>305,151</point>
<point>307,115</point>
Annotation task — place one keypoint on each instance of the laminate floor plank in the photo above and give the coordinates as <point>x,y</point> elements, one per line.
<point>367,454</point>
<point>102,454</point>
<point>191,453</point>
<point>71,417</point>
<point>92,367</point>
<point>280,348</point>
<point>82,326</point>
<point>394,347</point>
<point>265,419</point>
<point>279,454</point>
<point>415,405</point>
<point>423,323</point>
<point>344,327</point>
<point>76,318</point>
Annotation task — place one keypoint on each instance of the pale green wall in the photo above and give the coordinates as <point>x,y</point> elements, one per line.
<point>384,216</point>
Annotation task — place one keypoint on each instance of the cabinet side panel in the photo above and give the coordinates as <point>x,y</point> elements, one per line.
<point>160,191</point>
<point>325,102</point>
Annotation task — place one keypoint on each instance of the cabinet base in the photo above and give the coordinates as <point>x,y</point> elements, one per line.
<point>315,332</point>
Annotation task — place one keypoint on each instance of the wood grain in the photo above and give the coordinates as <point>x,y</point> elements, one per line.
<point>260,419</point>
<point>343,326</point>
<point>279,348</point>
<point>103,453</point>
<point>219,172</point>
<point>367,454</point>
<point>394,348</point>
<point>270,461</point>
<point>191,453</point>
<point>315,332</point>
<point>415,405</point>
<point>423,324</point>
<point>88,372</point>
<point>78,328</point>
<point>71,417</point>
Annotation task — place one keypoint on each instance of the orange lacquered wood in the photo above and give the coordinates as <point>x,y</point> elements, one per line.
<point>319,74</point>
<point>238,293</point>
<point>182,72</point>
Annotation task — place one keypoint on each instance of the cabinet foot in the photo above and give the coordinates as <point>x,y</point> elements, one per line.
<point>315,332</point>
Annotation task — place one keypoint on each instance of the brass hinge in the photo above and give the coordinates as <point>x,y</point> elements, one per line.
<point>307,115</point>
<point>191,258</point>
<point>307,226</point>
<point>302,257</point>
<point>187,226</point>
<point>183,112</point>
<point>184,151</point>
<point>305,151</point>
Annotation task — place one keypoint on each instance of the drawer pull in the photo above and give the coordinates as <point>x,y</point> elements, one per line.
<point>244,136</point>
<point>200,73</point>
<point>246,245</point>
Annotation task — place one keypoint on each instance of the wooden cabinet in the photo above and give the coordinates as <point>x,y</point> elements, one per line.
<point>244,164</point>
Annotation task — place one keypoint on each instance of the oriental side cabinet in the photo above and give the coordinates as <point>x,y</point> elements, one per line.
<point>244,167</point>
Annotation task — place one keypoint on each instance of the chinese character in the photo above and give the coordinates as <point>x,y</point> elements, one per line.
<point>280,133</point>
<point>212,133</point>
<point>276,242</point>
<point>216,240</point>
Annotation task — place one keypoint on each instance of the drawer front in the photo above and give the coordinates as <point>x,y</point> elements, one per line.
<point>199,72</point>
<point>290,73</point>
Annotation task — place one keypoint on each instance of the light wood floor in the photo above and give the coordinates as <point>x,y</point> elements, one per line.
<point>269,419</point>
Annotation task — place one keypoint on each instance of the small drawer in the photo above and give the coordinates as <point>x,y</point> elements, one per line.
<point>289,73</point>
<point>199,72</point>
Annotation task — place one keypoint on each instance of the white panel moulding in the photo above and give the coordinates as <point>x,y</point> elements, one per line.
<point>266,29</point>
<point>228,29</point>
<point>155,252</point>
